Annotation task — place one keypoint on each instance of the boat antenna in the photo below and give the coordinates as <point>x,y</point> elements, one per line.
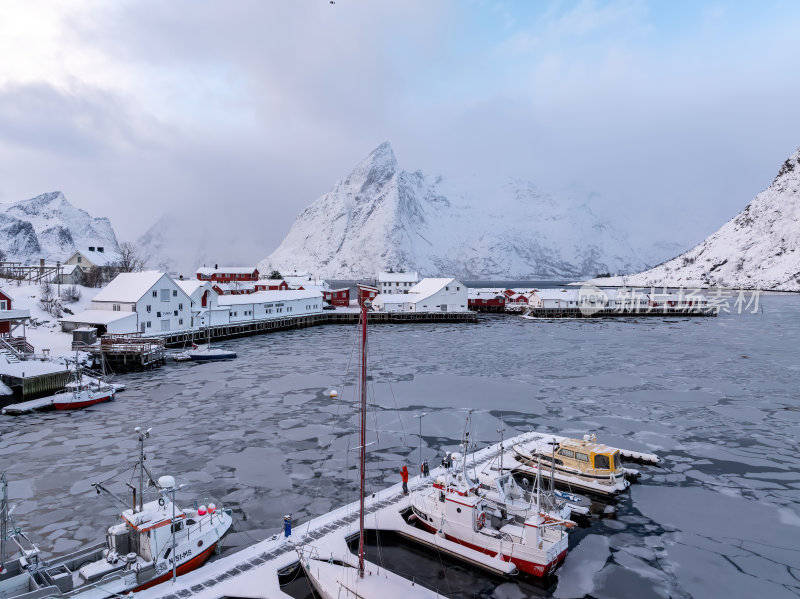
<point>501,430</point>
<point>553,466</point>
<point>421,415</point>
<point>365,305</point>
<point>142,436</point>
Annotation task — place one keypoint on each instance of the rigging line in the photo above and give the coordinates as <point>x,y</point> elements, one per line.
<point>339,402</point>
<point>380,351</point>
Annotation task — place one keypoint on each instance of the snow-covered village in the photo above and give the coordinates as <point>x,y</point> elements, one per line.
<point>483,300</point>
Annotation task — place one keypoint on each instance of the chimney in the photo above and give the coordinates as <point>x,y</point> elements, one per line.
<point>216,267</point>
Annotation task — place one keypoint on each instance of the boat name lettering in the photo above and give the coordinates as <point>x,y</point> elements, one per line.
<point>182,556</point>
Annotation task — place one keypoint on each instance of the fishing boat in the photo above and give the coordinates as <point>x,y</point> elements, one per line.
<point>582,464</point>
<point>505,521</point>
<point>153,542</point>
<point>344,575</point>
<point>206,353</point>
<point>82,391</point>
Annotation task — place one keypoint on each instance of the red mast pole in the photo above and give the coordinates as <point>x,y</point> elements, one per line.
<point>362,463</point>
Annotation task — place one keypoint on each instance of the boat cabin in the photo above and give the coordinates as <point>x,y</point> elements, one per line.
<point>588,456</point>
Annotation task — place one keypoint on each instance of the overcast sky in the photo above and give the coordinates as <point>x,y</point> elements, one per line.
<point>241,113</point>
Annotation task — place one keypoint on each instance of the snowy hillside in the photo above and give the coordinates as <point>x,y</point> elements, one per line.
<point>49,227</point>
<point>757,249</point>
<point>381,216</point>
<point>178,243</point>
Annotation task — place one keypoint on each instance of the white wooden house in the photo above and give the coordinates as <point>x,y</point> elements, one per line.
<point>391,282</point>
<point>429,295</point>
<point>266,305</point>
<point>159,303</point>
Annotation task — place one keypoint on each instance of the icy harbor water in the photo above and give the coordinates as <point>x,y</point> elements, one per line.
<point>717,398</point>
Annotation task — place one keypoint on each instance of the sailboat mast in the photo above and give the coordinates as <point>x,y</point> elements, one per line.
<point>363,450</point>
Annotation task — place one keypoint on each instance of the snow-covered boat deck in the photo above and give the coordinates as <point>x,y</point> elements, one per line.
<point>253,571</point>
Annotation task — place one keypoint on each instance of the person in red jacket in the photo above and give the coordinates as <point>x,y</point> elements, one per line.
<point>404,476</point>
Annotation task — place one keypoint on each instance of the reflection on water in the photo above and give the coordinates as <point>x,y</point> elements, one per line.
<point>717,398</point>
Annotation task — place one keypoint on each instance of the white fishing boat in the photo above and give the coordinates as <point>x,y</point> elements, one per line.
<point>503,521</point>
<point>82,392</point>
<point>154,541</point>
<point>205,353</point>
<point>344,575</point>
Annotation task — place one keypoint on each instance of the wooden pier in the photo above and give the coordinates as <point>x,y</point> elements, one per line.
<point>559,313</point>
<point>261,327</point>
<point>124,353</point>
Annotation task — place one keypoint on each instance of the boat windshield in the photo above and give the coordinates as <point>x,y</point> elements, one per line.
<point>617,463</point>
<point>601,461</point>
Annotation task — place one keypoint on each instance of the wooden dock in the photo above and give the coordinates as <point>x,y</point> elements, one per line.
<point>261,327</point>
<point>569,313</point>
<point>256,570</point>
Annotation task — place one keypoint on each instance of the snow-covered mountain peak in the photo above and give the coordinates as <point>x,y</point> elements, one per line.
<point>758,248</point>
<point>380,216</point>
<point>49,226</point>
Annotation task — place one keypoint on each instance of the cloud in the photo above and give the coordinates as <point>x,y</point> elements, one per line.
<point>250,110</point>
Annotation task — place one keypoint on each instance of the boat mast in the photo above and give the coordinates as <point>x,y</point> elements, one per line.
<point>3,519</point>
<point>363,450</point>
<point>142,437</point>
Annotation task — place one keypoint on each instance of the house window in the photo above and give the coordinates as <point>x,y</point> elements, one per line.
<point>80,259</point>
<point>175,313</point>
<point>148,308</point>
<point>115,307</point>
<point>165,295</point>
<point>133,308</point>
<point>174,293</point>
<point>180,321</point>
<point>458,288</point>
<point>3,305</point>
<point>180,306</point>
<point>155,293</point>
<point>149,324</point>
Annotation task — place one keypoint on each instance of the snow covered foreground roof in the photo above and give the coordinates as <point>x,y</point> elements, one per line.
<point>427,287</point>
<point>129,286</point>
<point>98,316</point>
<point>262,297</point>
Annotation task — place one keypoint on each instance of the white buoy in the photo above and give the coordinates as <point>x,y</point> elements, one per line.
<point>333,394</point>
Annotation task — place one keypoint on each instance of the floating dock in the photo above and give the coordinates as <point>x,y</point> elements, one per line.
<point>254,571</point>
<point>569,313</point>
<point>42,403</point>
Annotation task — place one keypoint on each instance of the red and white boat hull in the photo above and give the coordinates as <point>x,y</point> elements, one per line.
<point>83,399</point>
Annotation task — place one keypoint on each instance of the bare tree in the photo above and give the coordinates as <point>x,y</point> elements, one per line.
<point>93,277</point>
<point>130,260</point>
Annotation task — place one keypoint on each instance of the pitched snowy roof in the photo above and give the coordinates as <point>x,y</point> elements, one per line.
<point>129,286</point>
<point>189,286</point>
<point>98,316</point>
<point>235,285</point>
<point>407,277</point>
<point>263,297</point>
<point>232,270</point>
<point>98,258</point>
<point>427,287</point>
<point>271,281</point>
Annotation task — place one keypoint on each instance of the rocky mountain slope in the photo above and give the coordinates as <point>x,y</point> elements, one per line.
<point>381,216</point>
<point>49,227</point>
<point>757,249</point>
